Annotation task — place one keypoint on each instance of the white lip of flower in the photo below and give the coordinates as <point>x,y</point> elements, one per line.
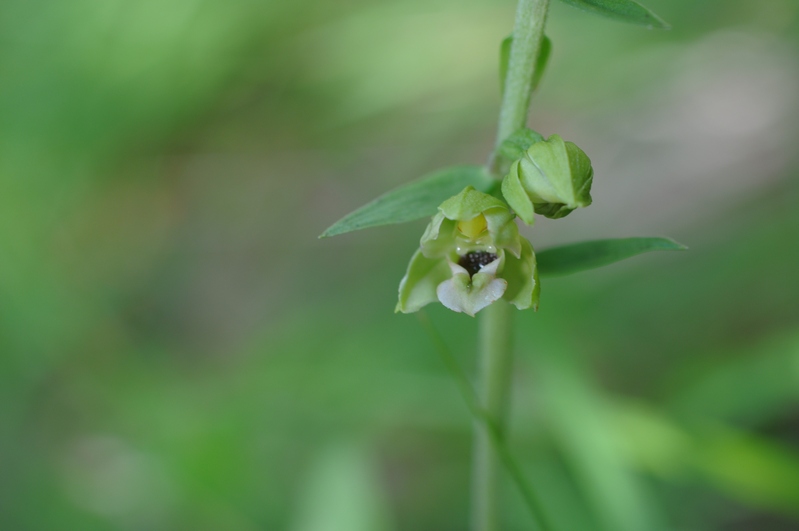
<point>471,293</point>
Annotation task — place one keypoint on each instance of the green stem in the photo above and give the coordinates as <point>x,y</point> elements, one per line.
<point>495,322</point>
<point>480,415</point>
<point>495,363</point>
<point>528,32</point>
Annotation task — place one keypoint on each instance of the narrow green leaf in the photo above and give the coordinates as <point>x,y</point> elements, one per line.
<point>577,257</point>
<point>415,200</point>
<point>754,470</point>
<point>504,59</point>
<point>621,10</point>
<point>540,63</point>
<point>747,467</point>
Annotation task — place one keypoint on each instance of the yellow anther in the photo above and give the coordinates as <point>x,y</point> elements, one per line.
<point>473,227</point>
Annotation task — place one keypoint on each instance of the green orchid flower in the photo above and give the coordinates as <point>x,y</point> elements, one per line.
<point>552,178</point>
<point>471,255</point>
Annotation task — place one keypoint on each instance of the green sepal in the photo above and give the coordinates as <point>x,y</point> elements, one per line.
<point>416,200</point>
<point>418,287</point>
<point>544,52</point>
<point>514,147</point>
<point>621,10</point>
<point>442,235</point>
<point>468,204</point>
<point>516,196</point>
<point>576,257</point>
<point>556,177</point>
<point>522,276</point>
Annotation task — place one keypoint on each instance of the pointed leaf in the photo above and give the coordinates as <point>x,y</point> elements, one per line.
<point>540,62</point>
<point>750,468</point>
<point>504,60</point>
<point>621,10</point>
<point>577,257</point>
<point>415,200</point>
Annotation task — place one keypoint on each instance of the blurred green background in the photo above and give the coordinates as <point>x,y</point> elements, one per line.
<point>179,352</point>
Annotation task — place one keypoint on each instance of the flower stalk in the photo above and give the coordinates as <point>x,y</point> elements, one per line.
<point>528,33</point>
<point>495,364</point>
<point>495,322</point>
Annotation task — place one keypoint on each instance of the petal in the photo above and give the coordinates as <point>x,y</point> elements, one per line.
<point>462,294</point>
<point>522,276</point>
<point>458,270</point>
<point>433,228</point>
<point>490,269</point>
<point>503,230</point>
<point>456,296</point>
<point>439,239</point>
<point>418,287</point>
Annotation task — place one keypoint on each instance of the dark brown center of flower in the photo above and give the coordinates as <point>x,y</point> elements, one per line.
<point>473,261</point>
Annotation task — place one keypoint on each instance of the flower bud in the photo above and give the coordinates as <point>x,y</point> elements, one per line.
<point>552,178</point>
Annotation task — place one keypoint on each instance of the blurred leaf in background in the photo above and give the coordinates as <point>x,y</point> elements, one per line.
<point>179,351</point>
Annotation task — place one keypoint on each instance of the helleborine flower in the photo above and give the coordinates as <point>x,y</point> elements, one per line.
<point>552,178</point>
<point>471,255</point>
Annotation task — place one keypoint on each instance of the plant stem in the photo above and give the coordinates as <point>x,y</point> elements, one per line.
<point>480,415</point>
<point>494,338</point>
<point>528,33</point>
<point>495,322</point>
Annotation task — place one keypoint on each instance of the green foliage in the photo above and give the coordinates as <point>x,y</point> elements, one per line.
<point>544,52</point>
<point>621,10</point>
<point>577,257</point>
<point>541,62</point>
<point>504,60</point>
<point>412,201</point>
